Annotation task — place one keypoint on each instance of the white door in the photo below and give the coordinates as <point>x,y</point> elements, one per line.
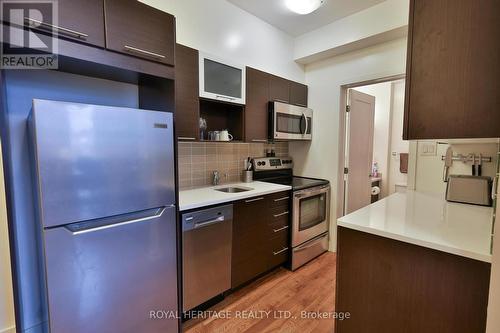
<point>361,118</point>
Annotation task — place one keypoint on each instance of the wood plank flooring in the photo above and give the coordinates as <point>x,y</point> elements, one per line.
<point>311,288</point>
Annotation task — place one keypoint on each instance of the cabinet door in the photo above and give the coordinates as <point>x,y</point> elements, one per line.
<point>82,21</point>
<point>453,75</point>
<point>140,30</point>
<point>249,255</point>
<point>298,94</point>
<point>256,109</point>
<point>187,108</point>
<point>279,89</point>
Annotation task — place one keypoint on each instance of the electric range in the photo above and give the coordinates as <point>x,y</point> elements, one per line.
<point>310,207</point>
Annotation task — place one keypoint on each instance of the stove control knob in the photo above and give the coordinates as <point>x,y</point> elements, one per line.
<point>264,163</point>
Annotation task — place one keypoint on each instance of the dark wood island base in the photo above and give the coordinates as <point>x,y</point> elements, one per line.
<point>389,286</point>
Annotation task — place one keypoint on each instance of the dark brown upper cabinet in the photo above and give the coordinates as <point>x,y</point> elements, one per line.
<point>257,99</point>
<point>279,89</point>
<point>298,94</point>
<point>140,30</point>
<point>187,106</point>
<point>452,83</point>
<point>82,21</point>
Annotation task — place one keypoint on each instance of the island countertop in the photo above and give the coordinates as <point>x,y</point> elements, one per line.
<point>207,196</point>
<point>427,220</point>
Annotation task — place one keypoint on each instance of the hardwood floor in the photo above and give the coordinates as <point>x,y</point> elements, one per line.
<point>311,288</point>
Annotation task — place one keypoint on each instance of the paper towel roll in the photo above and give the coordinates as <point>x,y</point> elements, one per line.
<point>375,190</point>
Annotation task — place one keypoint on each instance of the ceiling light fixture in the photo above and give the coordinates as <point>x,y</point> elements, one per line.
<point>303,7</point>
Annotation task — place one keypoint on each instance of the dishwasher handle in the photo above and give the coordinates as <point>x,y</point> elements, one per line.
<point>198,225</point>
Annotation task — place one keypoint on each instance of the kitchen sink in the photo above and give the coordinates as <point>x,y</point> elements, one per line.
<point>233,189</point>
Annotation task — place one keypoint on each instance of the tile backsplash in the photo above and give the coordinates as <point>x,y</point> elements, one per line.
<point>198,160</point>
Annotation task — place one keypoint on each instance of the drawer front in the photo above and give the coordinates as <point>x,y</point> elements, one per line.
<point>279,199</point>
<point>278,250</point>
<point>309,250</point>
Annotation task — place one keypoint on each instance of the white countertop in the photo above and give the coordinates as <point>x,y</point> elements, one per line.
<point>206,196</point>
<point>427,220</point>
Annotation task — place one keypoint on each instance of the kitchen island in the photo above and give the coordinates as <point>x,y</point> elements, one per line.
<point>414,263</point>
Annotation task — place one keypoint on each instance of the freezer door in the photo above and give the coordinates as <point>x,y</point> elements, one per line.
<point>96,161</point>
<point>106,278</point>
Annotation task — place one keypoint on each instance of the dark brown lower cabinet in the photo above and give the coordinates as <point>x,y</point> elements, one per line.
<point>260,236</point>
<point>392,286</point>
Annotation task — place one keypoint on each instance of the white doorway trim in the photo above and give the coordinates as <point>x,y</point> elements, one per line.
<point>342,133</point>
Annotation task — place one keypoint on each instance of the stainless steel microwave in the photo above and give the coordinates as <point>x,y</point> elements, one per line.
<point>289,122</point>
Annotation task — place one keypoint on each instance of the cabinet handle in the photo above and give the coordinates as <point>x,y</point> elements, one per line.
<point>281,199</point>
<point>143,52</point>
<point>259,140</point>
<point>185,138</point>
<point>44,25</point>
<point>280,229</point>
<point>280,251</point>
<point>252,200</point>
<point>281,214</point>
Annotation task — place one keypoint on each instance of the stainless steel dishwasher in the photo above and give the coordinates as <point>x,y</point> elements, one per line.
<point>206,254</point>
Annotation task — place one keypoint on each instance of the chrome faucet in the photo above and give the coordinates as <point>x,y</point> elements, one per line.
<point>215,177</point>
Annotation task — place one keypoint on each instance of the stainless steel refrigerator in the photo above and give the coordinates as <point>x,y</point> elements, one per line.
<point>106,205</point>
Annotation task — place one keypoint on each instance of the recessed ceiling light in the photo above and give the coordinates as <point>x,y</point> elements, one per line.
<point>303,6</point>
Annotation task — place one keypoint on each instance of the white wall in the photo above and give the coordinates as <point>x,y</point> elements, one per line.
<point>429,169</point>
<point>493,324</point>
<point>385,21</point>
<point>382,93</point>
<point>6,298</point>
<point>397,144</point>
<point>319,158</point>
<point>220,28</point>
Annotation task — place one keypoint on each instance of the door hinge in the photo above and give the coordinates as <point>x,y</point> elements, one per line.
<point>348,108</point>
<point>346,171</point>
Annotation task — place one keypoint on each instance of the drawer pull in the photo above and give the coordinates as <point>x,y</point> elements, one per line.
<point>253,200</point>
<point>281,199</point>
<point>280,229</point>
<point>280,251</point>
<point>143,52</point>
<point>44,25</point>
<point>258,140</point>
<point>281,214</point>
<point>185,138</point>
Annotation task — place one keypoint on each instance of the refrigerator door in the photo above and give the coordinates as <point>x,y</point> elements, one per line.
<point>97,161</point>
<point>107,275</point>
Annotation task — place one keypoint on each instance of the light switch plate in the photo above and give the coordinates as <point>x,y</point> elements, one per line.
<point>428,149</point>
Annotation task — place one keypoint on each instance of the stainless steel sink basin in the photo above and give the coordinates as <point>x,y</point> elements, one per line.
<point>233,189</point>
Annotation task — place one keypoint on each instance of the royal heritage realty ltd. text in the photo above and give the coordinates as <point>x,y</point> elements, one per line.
<point>249,314</point>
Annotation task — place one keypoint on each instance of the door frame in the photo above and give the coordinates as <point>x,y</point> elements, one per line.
<point>342,133</point>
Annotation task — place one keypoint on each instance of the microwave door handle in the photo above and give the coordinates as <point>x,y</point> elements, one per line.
<point>305,121</point>
<point>307,125</point>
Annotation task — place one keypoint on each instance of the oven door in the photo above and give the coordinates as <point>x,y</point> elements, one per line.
<point>291,122</point>
<point>311,210</point>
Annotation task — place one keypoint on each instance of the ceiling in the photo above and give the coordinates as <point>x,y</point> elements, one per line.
<point>274,12</point>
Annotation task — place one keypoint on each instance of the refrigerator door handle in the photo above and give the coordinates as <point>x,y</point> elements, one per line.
<point>115,221</point>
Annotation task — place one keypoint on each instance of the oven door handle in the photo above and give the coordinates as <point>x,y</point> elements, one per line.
<point>310,193</point>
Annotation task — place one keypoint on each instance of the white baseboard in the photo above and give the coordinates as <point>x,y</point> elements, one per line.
<point>8,330</point>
